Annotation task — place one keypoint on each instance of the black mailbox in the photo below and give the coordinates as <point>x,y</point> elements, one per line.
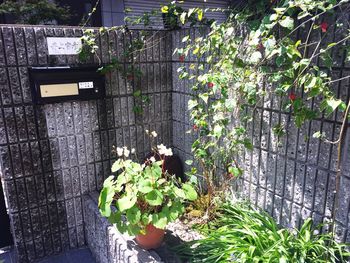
<point>55,84</point>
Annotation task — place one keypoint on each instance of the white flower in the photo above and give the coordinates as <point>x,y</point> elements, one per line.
<point>152,159</point>
<point>154,134</point>
<point>126,152</point>
<point>133,151</point>
<point>119,151</point>
<point>147,131</point>
<point>163,150</point>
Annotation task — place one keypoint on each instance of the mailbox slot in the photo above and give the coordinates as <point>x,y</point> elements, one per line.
<point>57,84</point>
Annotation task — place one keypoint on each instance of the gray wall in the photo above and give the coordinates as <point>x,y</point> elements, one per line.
<point>295,178</point>
<point>112,12</point>
<point>53,154</point>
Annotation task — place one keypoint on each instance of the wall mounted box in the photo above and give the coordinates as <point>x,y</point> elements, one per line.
<point>56,84</point>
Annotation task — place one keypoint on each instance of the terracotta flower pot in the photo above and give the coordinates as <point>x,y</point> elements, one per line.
<point>152,239</point>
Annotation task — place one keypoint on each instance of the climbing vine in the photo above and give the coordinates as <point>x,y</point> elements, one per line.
<point>133,47</point>
<point>265,48</point>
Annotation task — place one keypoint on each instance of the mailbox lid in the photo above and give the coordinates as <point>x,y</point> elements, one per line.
<point>55,84</point>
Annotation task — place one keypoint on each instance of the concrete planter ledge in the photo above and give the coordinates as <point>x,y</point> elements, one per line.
<point>107,245</point>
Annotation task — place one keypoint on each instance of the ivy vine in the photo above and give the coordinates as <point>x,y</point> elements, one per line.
<point>133,47</point>
<point>265,48</point>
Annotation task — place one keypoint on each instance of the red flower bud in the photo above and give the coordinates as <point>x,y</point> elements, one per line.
<point>260,46</point>
<point>195,127</point>
<point>230,175</point>
<point>324,27</point>
<point>210,84</point>
<point>182,58</point>
<point>292,96</point>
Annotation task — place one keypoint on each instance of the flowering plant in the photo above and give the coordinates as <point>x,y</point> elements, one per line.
<point>144,193</point>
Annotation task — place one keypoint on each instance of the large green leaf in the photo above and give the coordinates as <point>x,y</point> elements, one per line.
<point>154,198</point>
<point>122,179</point>
<point>235,171</point>
<point>105,199</point>
<point>156,170</point>
<point>329,105</point>
<point>116,165</point>
<point>175,210</point>
<point>126,202</point>
<point>145,186</point>
<point>192,104</point>
<point>145,219</point>
<point>109,181</point>
<point>287,22</point>
<point>160,220</point>
<point>121,226</point>
<point>133,230</point>
<point>115,217</point>
<point>148,172</point>
<point>179,192</point>
<point>190,193</point>
<point>133,215</point>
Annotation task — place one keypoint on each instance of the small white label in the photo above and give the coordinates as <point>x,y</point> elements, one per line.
<point>86,85</point>
<point>63,45</point>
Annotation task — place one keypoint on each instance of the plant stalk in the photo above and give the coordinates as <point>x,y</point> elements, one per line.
<point>339,167</point>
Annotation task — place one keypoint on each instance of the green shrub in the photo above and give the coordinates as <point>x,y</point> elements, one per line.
<point>35,12</point>
<point>243,234</point>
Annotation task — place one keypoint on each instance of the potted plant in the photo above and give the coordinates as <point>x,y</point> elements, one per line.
<point>143,197</point>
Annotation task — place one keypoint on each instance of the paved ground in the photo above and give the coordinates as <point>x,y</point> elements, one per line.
<point>81,255</point>
<point>6,256</point>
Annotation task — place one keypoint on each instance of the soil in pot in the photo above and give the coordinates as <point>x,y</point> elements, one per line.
<point>152,239</point>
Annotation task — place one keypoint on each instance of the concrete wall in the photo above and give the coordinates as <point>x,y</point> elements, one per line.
<point>51,155</point>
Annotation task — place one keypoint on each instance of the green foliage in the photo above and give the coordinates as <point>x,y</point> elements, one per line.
<point>279,130</point>
<point>254,55</point>
<point>243,234</point>
<point>34,12</point>
<point>131,73</point>
<point>143,194</point>
<point>89,46</point>
<point>171,14</point>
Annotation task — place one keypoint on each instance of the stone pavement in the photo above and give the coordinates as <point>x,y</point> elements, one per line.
<point>81,255</point>
<point>6,256</point>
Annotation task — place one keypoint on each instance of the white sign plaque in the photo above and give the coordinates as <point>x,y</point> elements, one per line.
<point>63,45</point>
<point>86,85</point>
